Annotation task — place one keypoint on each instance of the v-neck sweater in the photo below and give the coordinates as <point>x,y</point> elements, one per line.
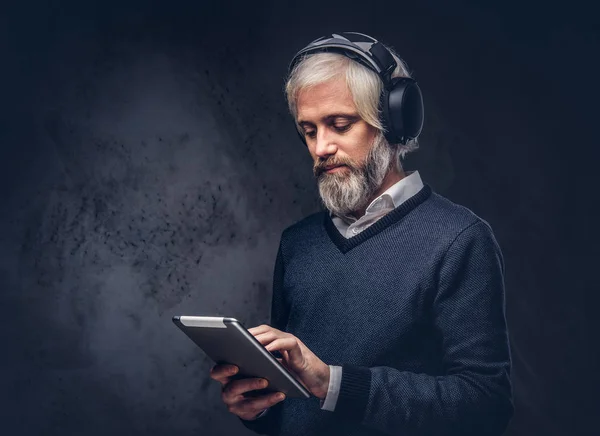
<point>413,310</point>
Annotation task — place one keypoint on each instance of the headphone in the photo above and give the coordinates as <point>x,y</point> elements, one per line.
<point>401,102</point>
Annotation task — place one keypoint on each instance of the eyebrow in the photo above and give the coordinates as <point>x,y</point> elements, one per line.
<point>329,118</point>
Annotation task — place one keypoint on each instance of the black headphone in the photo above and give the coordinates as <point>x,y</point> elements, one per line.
<point>401,101</point>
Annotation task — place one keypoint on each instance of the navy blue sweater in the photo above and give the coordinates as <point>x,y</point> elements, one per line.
<point>413,310</point>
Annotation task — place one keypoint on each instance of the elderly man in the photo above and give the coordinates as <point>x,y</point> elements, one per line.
<point>389,305</point>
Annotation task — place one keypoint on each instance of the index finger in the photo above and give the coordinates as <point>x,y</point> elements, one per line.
<point>223,372</point>
<point>240,387</point>
<point>260,329</point>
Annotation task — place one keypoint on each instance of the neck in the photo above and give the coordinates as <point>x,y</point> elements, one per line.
<point>393,176</point>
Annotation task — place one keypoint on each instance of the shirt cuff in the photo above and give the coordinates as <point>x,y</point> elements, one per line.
<point>261,414</point>
<point>333,390</point>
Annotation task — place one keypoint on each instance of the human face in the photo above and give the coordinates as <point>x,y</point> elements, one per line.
<point>336,136</point>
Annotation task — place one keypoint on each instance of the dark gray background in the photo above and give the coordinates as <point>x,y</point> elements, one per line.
<point>148,167</point>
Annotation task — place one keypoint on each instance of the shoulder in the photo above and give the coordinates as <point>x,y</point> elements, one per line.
<point>465,231</point>
<point>444,223</point>
<point>443,214</point>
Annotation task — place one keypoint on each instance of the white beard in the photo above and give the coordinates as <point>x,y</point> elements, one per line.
<point>350,189</point>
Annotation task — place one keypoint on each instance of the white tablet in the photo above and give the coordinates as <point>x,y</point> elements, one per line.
<point>226,340</point>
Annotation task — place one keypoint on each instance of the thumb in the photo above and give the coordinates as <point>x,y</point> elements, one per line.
<point>282,361</point>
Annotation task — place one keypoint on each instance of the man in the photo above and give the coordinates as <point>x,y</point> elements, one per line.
<point>389,306</point>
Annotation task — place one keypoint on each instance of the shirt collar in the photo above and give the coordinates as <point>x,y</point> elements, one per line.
<point>392,197</point>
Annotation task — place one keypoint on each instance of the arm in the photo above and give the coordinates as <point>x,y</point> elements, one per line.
<point>268,421</point>
<point>473,396</point>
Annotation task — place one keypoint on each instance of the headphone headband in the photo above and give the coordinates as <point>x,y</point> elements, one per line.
<point>361,48</point>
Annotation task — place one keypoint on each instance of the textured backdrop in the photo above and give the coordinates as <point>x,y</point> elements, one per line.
<point>148,167</point>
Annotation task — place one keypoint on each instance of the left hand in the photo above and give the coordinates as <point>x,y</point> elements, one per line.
<point>311,371</point>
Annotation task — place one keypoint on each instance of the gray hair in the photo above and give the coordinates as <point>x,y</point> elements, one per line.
<point>364,84</point>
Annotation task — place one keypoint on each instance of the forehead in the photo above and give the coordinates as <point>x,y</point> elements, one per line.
<point>326,98</point>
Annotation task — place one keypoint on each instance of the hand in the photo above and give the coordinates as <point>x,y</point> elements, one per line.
<point>311,371</point>
<point>233,392</point>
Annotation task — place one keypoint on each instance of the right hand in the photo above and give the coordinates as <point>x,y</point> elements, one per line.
<point>233,390</point>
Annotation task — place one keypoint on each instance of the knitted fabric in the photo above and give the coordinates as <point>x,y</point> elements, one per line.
<point>413,310</point>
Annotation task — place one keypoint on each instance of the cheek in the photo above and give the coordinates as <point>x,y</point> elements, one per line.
<point>362,138</point>
<point>357,148</point>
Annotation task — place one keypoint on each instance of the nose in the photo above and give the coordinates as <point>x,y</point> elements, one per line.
<point>325,144</point>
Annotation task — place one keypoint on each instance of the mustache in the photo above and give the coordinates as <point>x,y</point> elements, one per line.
<point>320,167</point>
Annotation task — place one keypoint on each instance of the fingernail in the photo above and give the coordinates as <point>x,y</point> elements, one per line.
<point>280,396</point>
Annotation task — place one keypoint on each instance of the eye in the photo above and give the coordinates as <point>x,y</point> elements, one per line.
<point>310,134</point>
<point>342,128</point>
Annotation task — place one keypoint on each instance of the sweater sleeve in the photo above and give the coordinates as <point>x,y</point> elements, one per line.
<point>268,423</point>
<point>473,396</point>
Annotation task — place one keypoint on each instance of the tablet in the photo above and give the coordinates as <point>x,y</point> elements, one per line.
<point>226,340</point>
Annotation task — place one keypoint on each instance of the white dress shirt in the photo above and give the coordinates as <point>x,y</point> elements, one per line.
<point>349,226</point>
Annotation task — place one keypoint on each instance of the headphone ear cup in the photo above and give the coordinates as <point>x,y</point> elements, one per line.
<point>412,110</point>
<point>386,122</point>
<point>402,109</point>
